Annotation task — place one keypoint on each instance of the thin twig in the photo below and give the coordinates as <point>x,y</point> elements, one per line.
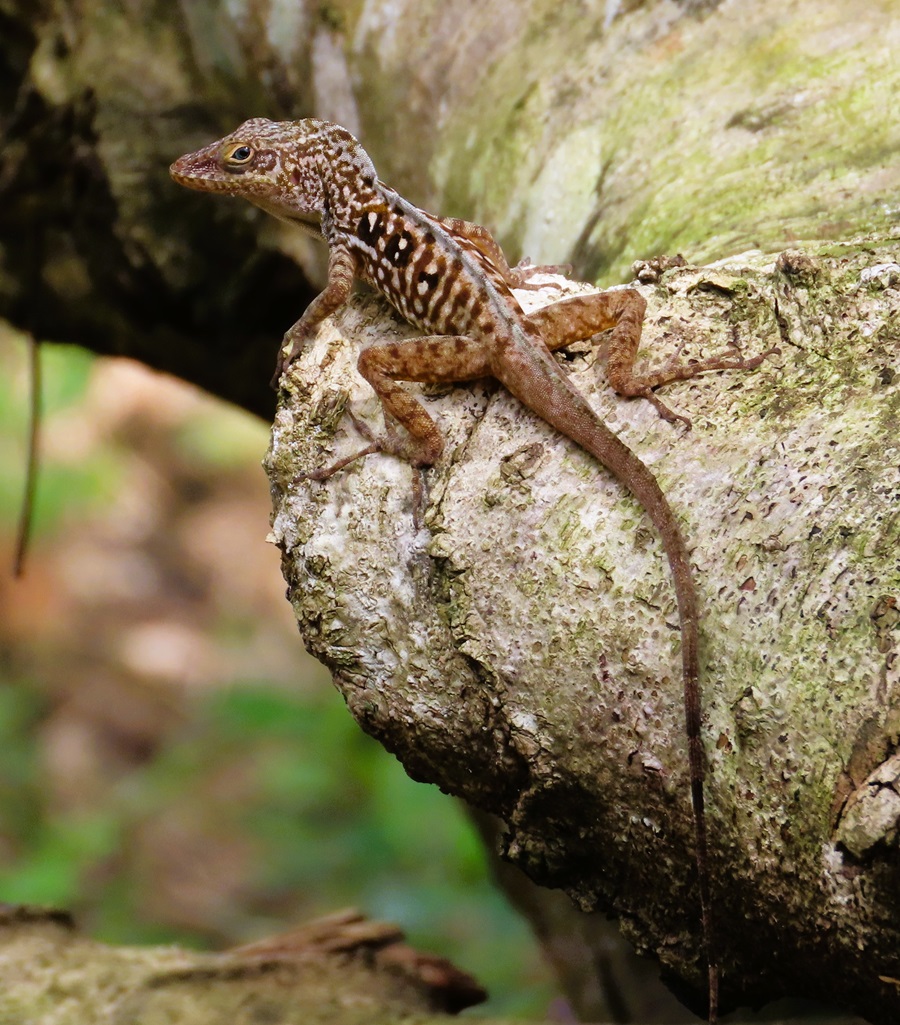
<point>26,511</point>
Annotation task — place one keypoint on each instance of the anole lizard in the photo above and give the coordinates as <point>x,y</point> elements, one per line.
<point>450,279</point>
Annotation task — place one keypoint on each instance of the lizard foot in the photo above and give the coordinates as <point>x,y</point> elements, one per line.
<point>375,445</point>
<point>294,340</point>
<point>390,444</point>
<point>666,412</point>
<point>324,472</point>
<point>731,359</point>
<point>281,365</point>
<point>643,386</point>
<point>284,361</point>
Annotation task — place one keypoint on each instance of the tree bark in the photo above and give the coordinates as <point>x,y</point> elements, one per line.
<point>521,651</point>
<point>342,970</point>
<point>594,135</point>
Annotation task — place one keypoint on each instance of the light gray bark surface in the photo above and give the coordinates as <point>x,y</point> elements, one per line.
<point>522,650</point>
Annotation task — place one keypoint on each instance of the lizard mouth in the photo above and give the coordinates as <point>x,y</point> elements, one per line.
<point>195,171</point>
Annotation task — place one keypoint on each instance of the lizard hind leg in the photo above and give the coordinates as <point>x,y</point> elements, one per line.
<point>493,257</point>
<point>582,316</point>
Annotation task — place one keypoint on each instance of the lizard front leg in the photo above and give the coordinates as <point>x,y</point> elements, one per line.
<point>341,272</point>
<point>582,316</point>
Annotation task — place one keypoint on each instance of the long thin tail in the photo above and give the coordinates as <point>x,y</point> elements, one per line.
<point>565,408</point>
<point>645,488</point>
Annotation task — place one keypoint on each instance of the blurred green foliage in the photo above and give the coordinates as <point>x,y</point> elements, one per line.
<point>331,820</point>
<point>65,485</point>
<point>397,849</point>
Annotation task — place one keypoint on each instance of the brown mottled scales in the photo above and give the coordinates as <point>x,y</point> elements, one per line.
<point>450,279</point>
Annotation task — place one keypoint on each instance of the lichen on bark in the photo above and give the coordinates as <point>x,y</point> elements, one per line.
<point>521,650</point>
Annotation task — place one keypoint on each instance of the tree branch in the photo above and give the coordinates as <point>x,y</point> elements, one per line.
<point>342,969</point>
<point>699,127</point>
<point>521,652</point>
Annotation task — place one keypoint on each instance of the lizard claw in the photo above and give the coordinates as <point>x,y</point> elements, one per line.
<point>387,445</point>
<point>666,412</point>
<point>375,445</point>
<point>324,472</point>
<point>419,496</point>
<point>289,350</point>
<point>284,361</point>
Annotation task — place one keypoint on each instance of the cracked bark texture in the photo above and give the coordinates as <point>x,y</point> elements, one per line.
<point>521,651</point>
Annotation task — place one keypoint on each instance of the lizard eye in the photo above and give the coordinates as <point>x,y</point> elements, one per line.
<point>239,155</point>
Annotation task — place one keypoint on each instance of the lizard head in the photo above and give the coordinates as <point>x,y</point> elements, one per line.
<point>284,167</point>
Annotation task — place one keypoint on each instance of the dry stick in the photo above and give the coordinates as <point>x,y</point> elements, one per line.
<point>26,510</point>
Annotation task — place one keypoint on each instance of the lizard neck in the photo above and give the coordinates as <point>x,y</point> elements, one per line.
<point>349,182</point>
<point>344,205</point>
